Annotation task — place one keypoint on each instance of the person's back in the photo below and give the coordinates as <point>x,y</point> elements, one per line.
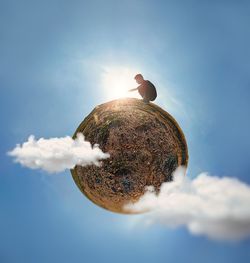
<point>147,90</point>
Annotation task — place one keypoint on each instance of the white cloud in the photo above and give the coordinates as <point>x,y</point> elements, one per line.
<point>207,205</point>
<point>57,154</point>
<point>218,208</point>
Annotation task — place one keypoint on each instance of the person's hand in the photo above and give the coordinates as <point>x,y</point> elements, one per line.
<point>132,89</point>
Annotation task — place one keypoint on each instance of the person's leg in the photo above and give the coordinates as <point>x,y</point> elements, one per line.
<point>141,92</point>
<point>145,99</point>
<point>151,94</point>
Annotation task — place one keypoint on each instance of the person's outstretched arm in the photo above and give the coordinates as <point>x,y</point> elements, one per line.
<point>133,89</point>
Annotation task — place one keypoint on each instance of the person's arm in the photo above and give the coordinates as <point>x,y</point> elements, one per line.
<point>133,89</point>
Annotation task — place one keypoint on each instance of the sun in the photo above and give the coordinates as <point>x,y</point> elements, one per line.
<point>116,81</point>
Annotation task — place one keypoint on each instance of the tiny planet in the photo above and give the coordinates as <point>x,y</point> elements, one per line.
<point>145,144</point>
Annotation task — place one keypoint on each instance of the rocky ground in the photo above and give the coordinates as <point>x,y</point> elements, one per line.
<point>145,145</point>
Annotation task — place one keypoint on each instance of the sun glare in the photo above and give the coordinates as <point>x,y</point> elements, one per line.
<point>117,81</point>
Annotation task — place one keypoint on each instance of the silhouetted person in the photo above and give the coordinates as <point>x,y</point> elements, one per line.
<point>146,89</point>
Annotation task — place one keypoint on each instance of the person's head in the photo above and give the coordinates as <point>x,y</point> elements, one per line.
<point>139,78</point>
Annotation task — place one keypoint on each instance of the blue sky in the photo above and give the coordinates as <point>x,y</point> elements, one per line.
<point>52,57</point>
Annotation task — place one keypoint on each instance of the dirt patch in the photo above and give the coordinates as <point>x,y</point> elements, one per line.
<point>145,144</point>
